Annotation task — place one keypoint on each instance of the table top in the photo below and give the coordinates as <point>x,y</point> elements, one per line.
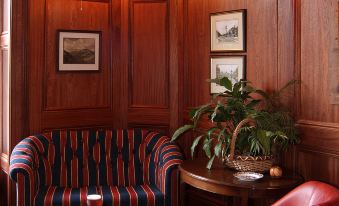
<point>223,176</point>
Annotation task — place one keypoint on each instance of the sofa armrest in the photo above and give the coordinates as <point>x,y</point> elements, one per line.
<point>168,176</point>
<point>23,164</point>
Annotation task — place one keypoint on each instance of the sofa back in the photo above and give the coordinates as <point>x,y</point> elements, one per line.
<point>76,158</point>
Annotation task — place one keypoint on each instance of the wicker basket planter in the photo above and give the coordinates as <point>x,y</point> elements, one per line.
<point>245,163</point>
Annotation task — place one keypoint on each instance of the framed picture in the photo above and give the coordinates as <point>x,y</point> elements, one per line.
<point>228,31</point>
<point>232,67</point>
<point>78,50</point>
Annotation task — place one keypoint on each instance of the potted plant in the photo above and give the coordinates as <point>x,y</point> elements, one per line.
<point>244,130</point>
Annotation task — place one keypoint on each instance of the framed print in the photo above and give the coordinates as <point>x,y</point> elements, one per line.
<point>232,67</point>
<point>228,31</point>
<point>78,50</point>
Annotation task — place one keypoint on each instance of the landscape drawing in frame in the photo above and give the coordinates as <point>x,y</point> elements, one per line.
<point>232,67</point>
<point>78,50</point>
<point>228,31</point>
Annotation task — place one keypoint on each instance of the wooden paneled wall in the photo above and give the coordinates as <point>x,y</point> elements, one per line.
<point>154,64</point>
<point>67,99</point>
<point>138,82</point>
<point>317,38</point>
<point>294,39</point>
<point>269,53</point>
<point>155,60</point>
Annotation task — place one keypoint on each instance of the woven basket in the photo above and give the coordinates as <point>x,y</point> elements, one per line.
<point>246,163</point>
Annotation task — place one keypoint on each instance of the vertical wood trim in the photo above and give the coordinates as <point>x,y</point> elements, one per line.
<point>176,55</point>
<point>297,58</point>
<point>19,108</point>
<point>35,61</point>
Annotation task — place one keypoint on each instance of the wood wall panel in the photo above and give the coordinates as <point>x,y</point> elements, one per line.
<point>66,90</point>
<point>317,16</point>
<point>311,160</point>
<point>155,60</point>
<point>197,53</point>
<point>286,49</point>
<point>149,54</point>
<point>67,99</point>
<point>261,52</point>
<point>317,117</point>
<point>156,56</point>
<point>262,56</point>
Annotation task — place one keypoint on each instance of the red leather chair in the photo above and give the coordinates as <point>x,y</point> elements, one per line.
<point>311,193</point>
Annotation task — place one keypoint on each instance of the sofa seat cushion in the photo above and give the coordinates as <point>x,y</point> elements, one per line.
<point>139,195</point>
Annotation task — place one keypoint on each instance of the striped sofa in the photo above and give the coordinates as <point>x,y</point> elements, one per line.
<point>127,167</point>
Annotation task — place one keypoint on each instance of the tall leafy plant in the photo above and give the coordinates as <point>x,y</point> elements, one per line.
<point>274,126</point>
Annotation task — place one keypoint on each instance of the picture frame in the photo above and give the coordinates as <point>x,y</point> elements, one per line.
<point>78,50</point>
<point>228,31</point>
<point>233,67</point>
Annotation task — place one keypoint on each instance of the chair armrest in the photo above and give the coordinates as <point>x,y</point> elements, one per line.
<point>23,163</point>
<point>169,159</point>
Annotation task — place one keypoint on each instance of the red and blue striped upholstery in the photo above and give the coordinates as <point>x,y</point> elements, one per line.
<point>128,167</point>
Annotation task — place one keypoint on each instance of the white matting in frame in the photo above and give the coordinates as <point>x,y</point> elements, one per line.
<point>228,31</point>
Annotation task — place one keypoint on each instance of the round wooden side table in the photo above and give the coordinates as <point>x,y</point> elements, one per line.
<point>220,180</point>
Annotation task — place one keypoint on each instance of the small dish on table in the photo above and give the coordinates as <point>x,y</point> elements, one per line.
<point>248,176</point>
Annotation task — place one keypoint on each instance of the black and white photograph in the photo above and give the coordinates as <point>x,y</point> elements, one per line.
<point>227,31</point>
<point>78,51</point>
<point>232,67</point>
<point>231,71</point>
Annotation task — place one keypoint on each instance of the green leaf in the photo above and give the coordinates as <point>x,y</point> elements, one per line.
<point>207,147</point>
<point>210,162</point>
<point>192,112</point>
<point>264,140</point>
<point>287,85</point>
<point>211,131</point>
<point>217,149</point>
<point>281,134</point>
<point>225,82</point>
<point>221,133</point>
<point>237,87</point>
<point>195,143</point>
<point>201,110</point>
<point>262,93</point>
<point>180,131</point>
<point>215,112</point>
<point>248,88</point>
<point>253,103</point>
